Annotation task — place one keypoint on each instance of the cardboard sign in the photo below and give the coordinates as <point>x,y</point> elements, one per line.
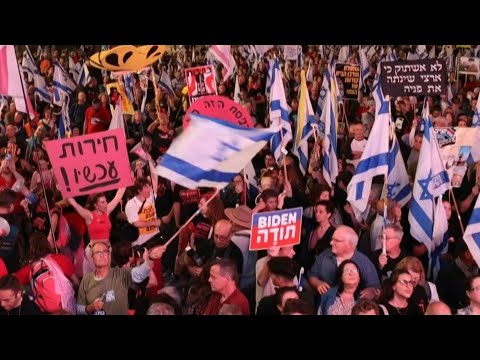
<point>414,77</point>
<point>90,163</point>
<point>469,66</point>
<point>348,79</point>
<point>276,228</point>
<point>200,82</point>
<point>456,145</point>
<point>219,107</point>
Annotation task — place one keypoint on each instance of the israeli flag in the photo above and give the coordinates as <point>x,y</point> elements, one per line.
<point>431,181</point>
<point>398,184</point>
<point>62,84</point>
<point>279,114</point>
<point>84,76</point>
<point>374,160</point>
<point>364,69</point>
<point>440,240</point>
<point>330,160</point>
<point>165,83</point>
<point>211,152</point>
<point>321,98</point>
<point>472,233</point>
<point>476,115</point>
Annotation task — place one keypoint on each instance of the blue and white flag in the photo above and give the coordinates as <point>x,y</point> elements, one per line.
<point>221,151</point>
<point>374,160</point>
<point>62,84</point>
<point>398,184</point>
<point>440,240</point>
<point>28,66</point>
<point>329,118</point>
<point>431,181</point>
<point>63,122</point>
<point>364,68</point>
<point>279,114</point>
<point>322,94</point>
<point>84,75</point>
<point>472,233</point>
<point>476,116</point>
<point>250,176</point>
<point>165,83</point>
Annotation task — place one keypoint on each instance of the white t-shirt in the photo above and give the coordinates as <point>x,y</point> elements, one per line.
<point>148,213</point>
<point>357,146</point>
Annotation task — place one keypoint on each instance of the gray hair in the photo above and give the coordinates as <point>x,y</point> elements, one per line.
<point>348,234</point>
<point>160,309</point>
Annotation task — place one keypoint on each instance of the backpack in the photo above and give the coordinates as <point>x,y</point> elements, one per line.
<point>52,291</point>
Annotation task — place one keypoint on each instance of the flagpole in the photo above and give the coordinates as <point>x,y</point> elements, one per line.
<point>385,185</point>
<point>46,203</point>
<point>458,212</point>
<point>245,187</point>
<point>189,220</point>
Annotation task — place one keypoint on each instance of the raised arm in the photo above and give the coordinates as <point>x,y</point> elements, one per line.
<point>84,213</point>
<point>118,197</point>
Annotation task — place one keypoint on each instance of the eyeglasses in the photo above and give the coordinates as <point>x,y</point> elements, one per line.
<point>223,238</point>
<point>103,252</point>
<point>406,282</point>
<point>351,271</point>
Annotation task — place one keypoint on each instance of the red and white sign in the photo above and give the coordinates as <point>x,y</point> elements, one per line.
<point>276,228</point>
<point>200,82</point>
<point>219,107</point>
<point>91,163</point>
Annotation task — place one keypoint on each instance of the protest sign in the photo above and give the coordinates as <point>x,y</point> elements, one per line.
<point>276,228</point>
<point>348,79</point>
<point>90,163</point>
<point>200,82</point>
<point>414,77</point>
<point>114,91</point>
<point>456,145</point>
<point>469,66</point>
<point>219,107</point>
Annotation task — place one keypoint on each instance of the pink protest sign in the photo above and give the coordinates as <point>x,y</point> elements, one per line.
<point>219,107</point>
<point>90,163</point>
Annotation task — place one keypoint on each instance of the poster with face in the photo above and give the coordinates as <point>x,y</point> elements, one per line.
<point>200,82</point>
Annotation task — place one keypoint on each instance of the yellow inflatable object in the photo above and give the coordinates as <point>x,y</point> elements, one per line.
<point>127,57</point>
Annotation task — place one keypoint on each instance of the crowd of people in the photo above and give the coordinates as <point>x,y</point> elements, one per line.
<point>107,251</point>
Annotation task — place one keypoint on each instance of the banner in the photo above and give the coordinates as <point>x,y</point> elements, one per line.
<point>114,90</point>
<point>348,79</point>
<point>414,77</point>
<point>90,163</point>
<point>276,228</point>
<point>469,66</point>
<point>456,145</point>
<point>200,82</point>
<point>219,107</point>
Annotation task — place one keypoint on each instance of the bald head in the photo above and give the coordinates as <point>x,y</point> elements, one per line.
<point>438,308</point>
<point>223,233</point>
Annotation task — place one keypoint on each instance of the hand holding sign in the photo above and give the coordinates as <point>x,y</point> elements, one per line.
<point>90,163</point>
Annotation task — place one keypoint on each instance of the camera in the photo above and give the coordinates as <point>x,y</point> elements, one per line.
<point>155,241</point>
<point>196,258</point>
